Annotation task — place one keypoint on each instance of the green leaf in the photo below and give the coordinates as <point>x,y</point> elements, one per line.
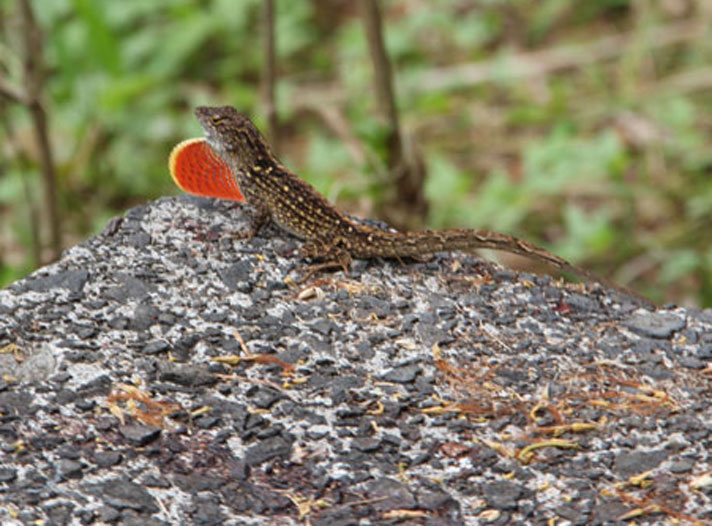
<point>9,274</point>
<point>587,234</point>
<point>121,91</point>
<point>11,187</point>
<point>564,159</point>
<point>326,156</point>
<point>102,44</point>
<point>500,204</point>
<point>446,188</point>
<point>179,44</point>
<point>682,263</point>
<point>293,27</point>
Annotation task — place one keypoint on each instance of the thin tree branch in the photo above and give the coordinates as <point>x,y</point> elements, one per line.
<point>537,63</point>
<point>519,65</point>
<point>407,207</point>
<point>12,93</point>
<point>383,78</point>
<point>270,74</point>
<point>34,82</point>
<point>34,218</point>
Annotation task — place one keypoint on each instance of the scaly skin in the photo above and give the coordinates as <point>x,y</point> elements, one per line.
<point>278,194</point>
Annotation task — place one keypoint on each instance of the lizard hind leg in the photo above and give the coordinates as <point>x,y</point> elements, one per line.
<point>329,256</point>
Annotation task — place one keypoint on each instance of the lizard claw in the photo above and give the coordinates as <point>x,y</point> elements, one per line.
<point>313,269</point>
<point>330,256</point>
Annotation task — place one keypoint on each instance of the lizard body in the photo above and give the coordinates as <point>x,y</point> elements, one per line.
<point>276,193</point>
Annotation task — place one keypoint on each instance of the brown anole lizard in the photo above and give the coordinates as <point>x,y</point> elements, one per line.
<point>277,194</point>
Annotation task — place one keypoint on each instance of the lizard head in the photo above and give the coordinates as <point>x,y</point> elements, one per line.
<point>233,136</point>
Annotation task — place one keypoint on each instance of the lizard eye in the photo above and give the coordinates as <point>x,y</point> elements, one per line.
<point>216,119</point>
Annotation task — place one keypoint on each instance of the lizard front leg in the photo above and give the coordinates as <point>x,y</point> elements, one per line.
<point>257,217</point>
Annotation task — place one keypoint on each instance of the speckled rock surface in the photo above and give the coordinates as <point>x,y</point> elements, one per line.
<point>165,372</point>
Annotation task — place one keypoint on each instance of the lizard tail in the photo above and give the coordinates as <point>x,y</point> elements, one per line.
<point>413,244</point>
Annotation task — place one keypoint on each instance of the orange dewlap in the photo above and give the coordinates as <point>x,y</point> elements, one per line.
<point>198,170</point>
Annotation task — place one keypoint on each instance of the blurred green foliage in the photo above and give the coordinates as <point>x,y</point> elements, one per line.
<point>607,162</point>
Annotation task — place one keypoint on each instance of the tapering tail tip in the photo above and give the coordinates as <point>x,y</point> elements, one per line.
<point>198,170</point>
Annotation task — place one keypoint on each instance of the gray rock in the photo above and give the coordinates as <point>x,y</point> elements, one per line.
<point>138,434</point>
<point>372,418</point>
<point>503,495</point>
<point>35,365</point>
<point>72,280</point>
<point>629,463</point>
<point>402,375</point>
<point>268,449</point>
<point>123,494</point>
<point>655,324</point>
<point>128,288</point>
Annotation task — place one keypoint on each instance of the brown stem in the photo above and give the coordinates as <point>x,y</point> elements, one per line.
<point>382,77</point>
<point>270,75</point>
<point>406,207</point>
<point>34,82</point>
<point>39,121</point>
<point>33,216</point>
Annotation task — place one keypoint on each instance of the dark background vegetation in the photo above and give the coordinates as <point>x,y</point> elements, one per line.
<point>583,126</point>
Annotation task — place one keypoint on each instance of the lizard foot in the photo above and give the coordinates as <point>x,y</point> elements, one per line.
<point>244,233</point>
<point>257,217</point>
<point>318,267</point>
<point>331,257</point>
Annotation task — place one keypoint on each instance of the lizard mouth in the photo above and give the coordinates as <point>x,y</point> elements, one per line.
<point>203,114</point>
